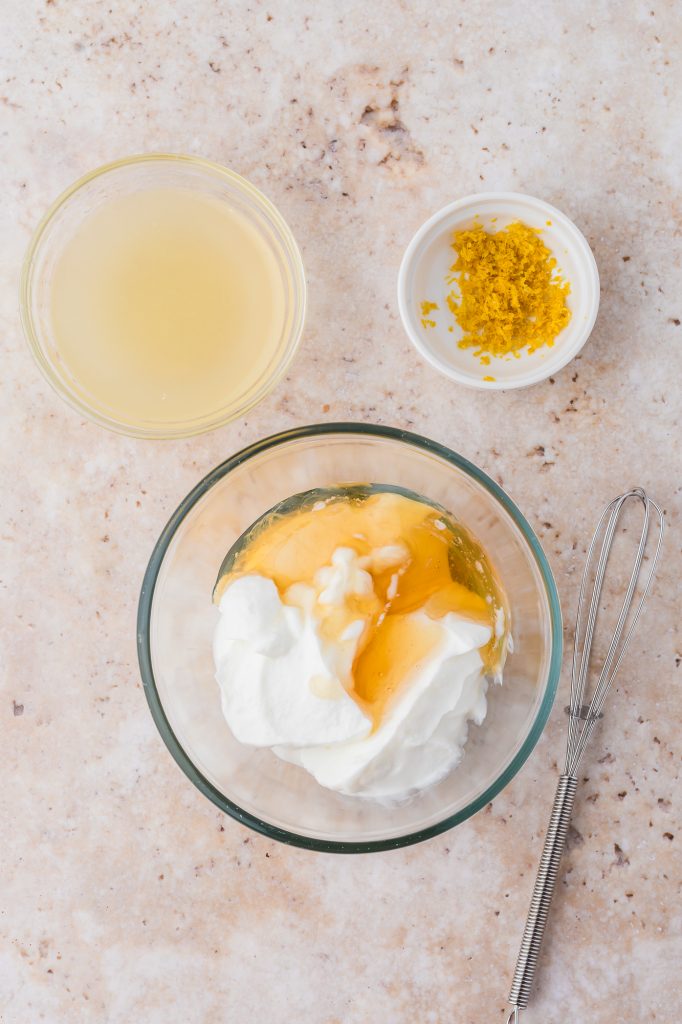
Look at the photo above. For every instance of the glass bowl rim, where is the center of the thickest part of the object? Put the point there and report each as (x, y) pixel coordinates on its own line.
(174, 431)
(154, 701)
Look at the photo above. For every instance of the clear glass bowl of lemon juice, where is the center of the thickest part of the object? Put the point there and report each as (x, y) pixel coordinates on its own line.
(163, 296)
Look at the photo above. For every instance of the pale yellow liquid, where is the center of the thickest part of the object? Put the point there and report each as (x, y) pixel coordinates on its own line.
(167, 307)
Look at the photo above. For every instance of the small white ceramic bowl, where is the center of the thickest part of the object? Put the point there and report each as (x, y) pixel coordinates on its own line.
(422, 277)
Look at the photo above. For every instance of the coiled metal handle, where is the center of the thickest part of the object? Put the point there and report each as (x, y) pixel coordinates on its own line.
(555, 840)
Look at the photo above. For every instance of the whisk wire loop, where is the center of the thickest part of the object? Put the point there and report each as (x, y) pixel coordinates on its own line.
(581, 724)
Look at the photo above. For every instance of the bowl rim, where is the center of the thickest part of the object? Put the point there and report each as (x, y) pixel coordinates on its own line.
(539, 374)
(154, 701)
(173, 431)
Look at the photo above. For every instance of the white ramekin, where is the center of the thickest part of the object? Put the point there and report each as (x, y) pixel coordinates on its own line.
(423, 273)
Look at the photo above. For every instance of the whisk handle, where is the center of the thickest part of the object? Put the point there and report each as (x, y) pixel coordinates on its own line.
(545, 883)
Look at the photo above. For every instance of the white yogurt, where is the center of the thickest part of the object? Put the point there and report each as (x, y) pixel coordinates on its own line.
(286, 686)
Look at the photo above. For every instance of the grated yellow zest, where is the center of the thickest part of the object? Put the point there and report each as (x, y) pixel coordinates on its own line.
(426, 308)
(509, 294)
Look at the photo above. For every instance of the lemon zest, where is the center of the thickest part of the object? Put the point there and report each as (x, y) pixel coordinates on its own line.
(509, 294)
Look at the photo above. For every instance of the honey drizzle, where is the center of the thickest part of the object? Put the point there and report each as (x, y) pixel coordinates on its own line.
(445, 570)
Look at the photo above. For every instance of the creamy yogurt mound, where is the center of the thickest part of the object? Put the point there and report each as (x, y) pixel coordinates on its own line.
(286, 681)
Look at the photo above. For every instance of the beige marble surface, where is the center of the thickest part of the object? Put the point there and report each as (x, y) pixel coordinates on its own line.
(124, 895)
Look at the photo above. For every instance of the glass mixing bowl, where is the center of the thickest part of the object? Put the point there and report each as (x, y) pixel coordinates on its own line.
(138, 174)
(176, 620)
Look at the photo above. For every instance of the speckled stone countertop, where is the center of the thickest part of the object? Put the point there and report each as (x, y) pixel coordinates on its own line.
(125, 896)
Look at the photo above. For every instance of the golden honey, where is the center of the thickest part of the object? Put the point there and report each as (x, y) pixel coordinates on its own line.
(419, 559)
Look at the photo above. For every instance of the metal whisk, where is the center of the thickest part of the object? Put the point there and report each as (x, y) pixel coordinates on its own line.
(582, 717)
